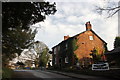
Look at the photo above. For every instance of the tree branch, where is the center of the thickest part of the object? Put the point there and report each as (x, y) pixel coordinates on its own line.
(110, 10)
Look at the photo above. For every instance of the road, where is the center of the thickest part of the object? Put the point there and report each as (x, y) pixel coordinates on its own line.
(39, 75)
(47, 75)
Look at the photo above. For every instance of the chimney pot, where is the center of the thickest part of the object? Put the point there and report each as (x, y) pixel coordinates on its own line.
(66, 37)
(88, 26)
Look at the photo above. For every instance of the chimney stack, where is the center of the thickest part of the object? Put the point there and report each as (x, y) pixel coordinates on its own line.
(88, 26)
(66, 37)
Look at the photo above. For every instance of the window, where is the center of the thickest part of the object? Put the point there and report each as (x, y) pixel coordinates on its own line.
(66, 46)
(54, 50)
(66, 60)
(55, 60)
(58, 48)
(91, 37)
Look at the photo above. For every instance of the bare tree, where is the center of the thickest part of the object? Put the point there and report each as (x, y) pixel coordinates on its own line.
(110, 9)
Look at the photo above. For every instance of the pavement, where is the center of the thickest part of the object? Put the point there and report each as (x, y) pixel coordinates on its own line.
(80, 76)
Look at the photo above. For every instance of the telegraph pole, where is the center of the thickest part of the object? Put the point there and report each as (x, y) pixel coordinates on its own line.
(119, 20)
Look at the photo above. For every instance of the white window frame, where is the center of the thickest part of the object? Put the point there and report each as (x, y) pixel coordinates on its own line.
(66, 60)
(91, 38)
(55, 50)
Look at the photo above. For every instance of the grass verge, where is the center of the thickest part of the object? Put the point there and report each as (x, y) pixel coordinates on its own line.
(6, 73)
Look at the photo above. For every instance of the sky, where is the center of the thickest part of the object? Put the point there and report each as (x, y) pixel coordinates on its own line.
(70, 19)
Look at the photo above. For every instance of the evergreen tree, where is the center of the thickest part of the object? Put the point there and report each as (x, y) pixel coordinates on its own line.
(117, 42)
(16, 20)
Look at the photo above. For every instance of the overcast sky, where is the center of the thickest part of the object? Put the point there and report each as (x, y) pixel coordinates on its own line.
(70, 19)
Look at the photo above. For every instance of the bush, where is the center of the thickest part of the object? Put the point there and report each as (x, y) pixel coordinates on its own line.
(7, 72)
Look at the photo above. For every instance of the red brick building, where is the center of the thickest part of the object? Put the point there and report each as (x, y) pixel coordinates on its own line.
(77, 49)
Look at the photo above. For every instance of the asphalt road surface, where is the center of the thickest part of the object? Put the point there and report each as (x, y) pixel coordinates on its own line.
(38, 75)
(46, 75)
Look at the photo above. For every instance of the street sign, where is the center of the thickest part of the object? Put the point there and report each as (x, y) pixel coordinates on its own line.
(100, 66)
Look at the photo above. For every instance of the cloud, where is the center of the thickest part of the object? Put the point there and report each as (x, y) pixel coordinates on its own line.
(70, 19)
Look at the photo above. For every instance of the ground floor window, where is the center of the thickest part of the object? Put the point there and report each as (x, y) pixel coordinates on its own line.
(66, 60)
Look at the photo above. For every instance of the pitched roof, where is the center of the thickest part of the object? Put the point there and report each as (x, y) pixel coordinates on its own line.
(114, 51)
(78, 35)
(98, 37)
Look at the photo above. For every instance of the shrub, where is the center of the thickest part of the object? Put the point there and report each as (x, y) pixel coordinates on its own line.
(7, 72)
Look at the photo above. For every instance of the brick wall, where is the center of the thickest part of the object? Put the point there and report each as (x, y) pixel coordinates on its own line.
(85, 45)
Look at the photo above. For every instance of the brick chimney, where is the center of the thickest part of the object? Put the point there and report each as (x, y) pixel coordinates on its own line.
(66, 37)
(88, 26)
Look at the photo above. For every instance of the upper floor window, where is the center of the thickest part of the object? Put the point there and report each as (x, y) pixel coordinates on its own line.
(91, 37)
(58, 48)
(54, 50)
(66, 46)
